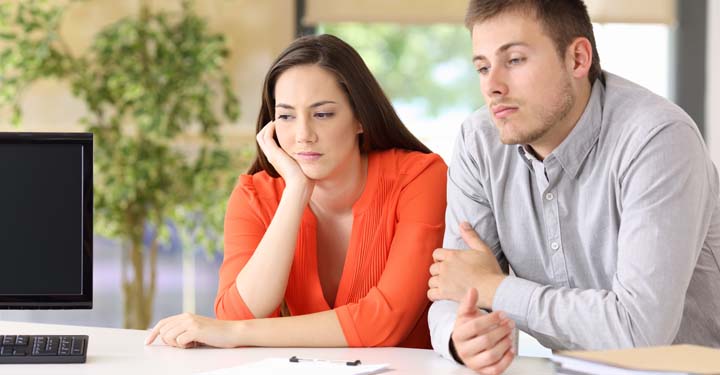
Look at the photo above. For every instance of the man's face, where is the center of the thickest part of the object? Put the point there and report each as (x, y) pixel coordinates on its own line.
(526, 85)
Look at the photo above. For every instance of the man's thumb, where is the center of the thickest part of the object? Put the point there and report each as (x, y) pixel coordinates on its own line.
(468, 303)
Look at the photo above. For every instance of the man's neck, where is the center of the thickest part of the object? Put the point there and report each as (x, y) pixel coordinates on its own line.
(552, 139)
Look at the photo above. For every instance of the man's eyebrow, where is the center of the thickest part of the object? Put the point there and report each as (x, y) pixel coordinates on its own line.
(502, 49)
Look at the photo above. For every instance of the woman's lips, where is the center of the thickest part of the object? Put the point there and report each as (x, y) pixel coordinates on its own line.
(308, 155)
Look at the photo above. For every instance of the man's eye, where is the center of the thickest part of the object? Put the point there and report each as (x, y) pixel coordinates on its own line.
(516, 61)
(483, 70)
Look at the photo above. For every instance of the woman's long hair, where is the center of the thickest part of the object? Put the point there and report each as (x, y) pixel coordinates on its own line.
(382, 128)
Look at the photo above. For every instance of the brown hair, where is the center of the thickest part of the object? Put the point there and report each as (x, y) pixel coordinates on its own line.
(562, 20)
(382, 128)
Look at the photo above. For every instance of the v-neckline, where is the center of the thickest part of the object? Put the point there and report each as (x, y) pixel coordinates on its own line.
(343, 291)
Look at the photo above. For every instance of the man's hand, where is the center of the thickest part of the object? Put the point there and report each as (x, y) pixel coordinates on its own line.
(482, 341)
(455, 271)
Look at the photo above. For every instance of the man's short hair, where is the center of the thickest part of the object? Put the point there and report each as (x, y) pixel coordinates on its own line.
(562, 20)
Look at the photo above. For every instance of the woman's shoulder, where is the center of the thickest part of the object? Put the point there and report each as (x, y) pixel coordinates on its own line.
(412, 163)
(258, 187)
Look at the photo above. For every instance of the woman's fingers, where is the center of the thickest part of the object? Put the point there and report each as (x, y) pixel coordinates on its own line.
(155, 332)
(172, 331)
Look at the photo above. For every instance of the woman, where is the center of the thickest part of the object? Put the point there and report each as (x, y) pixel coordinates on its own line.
(338, 217)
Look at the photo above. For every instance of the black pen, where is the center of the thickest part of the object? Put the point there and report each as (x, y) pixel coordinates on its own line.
(295, 359)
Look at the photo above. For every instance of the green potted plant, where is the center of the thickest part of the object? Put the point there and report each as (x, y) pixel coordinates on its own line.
(145, 80)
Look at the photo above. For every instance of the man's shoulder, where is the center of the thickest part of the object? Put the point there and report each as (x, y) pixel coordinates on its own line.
(633, 115)
(629, 102)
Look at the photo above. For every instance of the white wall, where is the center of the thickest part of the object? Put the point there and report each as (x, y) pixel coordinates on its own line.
(712, 103)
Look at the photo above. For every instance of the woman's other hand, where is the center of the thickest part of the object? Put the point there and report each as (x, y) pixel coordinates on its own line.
(189, 330)
(285, 165)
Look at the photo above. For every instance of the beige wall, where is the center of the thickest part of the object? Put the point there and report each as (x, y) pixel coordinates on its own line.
(256, 32)
(453, 11)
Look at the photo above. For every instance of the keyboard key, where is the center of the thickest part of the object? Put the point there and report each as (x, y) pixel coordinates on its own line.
(22, 340)
(9, 340)
(6, 350)
(77, 346)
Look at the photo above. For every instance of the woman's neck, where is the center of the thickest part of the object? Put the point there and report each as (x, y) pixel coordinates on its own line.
(337, 194)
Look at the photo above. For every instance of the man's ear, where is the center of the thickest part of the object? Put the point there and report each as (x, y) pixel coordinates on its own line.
(579, 57)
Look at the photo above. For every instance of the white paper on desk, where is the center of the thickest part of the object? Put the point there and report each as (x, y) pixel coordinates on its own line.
(274, 366)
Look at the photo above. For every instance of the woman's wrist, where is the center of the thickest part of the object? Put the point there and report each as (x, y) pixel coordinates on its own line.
(239, 331)
(300, 190)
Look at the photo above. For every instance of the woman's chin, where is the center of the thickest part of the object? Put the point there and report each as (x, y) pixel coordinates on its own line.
(313, 173)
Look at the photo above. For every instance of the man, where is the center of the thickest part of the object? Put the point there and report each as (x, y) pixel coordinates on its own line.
(599, 195)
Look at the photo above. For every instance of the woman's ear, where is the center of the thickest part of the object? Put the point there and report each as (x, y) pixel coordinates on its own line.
(359, 128)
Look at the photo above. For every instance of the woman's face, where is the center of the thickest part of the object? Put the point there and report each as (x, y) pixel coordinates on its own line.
(314, 122)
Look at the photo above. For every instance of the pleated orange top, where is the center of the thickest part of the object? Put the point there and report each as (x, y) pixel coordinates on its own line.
(397, 223)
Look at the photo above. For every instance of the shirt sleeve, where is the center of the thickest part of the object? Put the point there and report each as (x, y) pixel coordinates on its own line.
(666, 199)
(466, 201)
(244, 228)
(390, 310)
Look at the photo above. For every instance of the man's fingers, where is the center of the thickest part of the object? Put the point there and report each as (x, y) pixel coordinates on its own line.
(490, 356)
(499, 367)
(486, 342)
(468, 305)
(471, 237)
(435, 269)
(477, 326)
(440, 254)
(433, 294)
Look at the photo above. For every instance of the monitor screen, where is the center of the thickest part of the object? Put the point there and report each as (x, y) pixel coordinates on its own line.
(46, 220)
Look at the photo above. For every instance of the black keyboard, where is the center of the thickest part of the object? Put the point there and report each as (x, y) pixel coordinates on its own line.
(43, 349)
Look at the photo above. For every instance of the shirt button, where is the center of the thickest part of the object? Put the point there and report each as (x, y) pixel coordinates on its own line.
(549, 196)
(554, 246)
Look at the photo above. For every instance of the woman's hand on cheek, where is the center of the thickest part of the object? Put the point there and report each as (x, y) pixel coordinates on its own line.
(285, 165)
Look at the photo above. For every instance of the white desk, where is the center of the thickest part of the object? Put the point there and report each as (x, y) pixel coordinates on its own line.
(121, 351)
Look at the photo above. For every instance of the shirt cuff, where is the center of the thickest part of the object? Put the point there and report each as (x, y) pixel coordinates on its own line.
(513, 297)
(441, 320)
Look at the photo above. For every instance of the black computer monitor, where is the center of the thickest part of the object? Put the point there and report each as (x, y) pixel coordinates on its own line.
(46, 210)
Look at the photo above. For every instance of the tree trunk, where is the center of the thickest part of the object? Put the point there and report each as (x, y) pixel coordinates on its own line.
(138, 284)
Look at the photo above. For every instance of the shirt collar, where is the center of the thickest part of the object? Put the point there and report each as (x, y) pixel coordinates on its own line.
(574, 149)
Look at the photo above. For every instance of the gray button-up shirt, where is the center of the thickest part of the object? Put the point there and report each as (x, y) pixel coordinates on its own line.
(614, 239)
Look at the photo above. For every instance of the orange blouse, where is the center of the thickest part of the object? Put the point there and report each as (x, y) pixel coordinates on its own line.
(397, 223)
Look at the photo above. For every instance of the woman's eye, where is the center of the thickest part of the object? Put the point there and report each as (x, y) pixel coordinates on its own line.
(324, 114)
(516, 60)
(283, 117)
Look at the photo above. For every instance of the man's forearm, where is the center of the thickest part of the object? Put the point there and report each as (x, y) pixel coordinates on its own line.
(571, 318)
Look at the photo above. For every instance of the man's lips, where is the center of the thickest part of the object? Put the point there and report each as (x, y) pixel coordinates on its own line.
(502, 111)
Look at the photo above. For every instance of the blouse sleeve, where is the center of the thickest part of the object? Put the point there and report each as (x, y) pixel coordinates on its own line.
(388, 313)
(245, 225)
